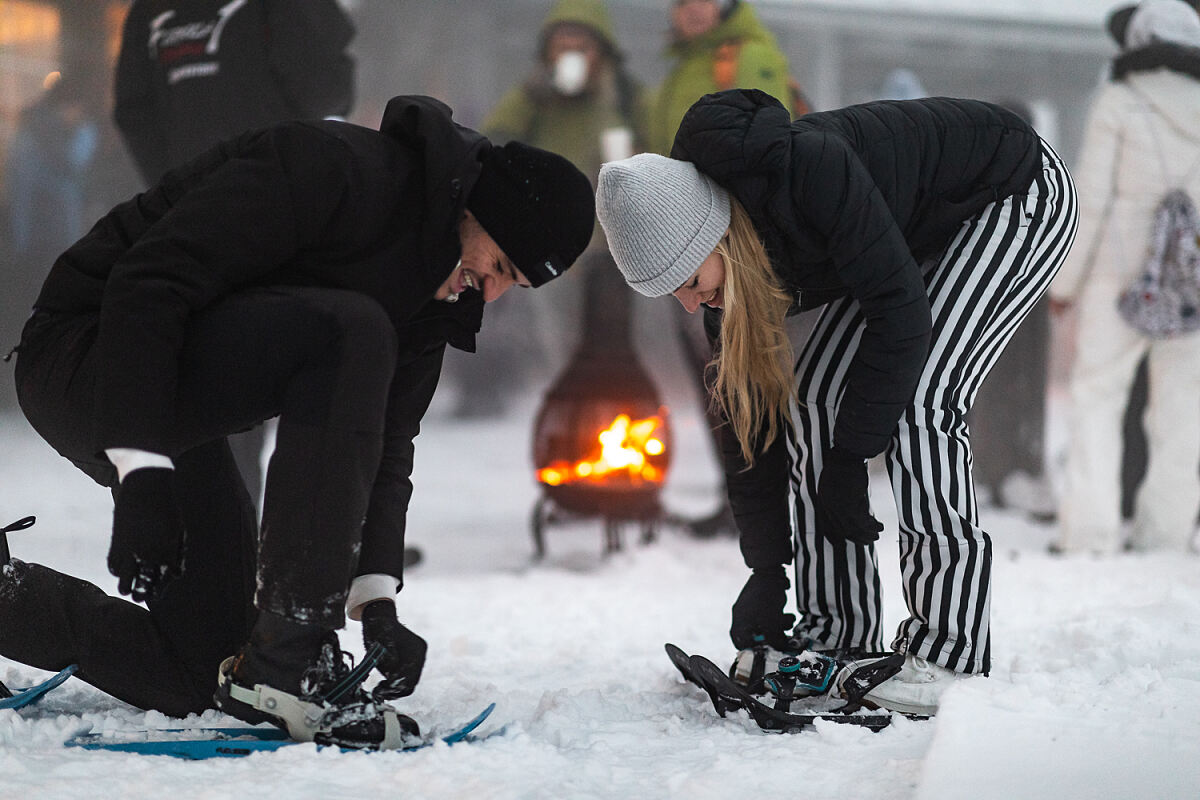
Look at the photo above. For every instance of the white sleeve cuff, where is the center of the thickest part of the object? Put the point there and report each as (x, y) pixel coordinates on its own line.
(127, 459)
(366, 588)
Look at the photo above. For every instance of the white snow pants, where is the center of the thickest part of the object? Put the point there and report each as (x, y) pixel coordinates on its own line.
(987, 280)
(1106, 359)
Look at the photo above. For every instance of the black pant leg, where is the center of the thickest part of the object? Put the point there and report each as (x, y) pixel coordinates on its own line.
(322, 360)
(49, 620)
(206, 614)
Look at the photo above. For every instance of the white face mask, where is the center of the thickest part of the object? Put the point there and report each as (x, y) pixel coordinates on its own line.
(570, 72)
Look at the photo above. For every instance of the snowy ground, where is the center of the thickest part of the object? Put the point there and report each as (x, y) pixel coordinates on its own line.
(1095, 691)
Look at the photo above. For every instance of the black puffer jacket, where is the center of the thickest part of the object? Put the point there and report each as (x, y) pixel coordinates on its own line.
(849, 202)
(300, 203)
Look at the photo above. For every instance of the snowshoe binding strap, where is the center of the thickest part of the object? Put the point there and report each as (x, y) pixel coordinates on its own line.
(355, 677)
(753, 664)
(799, 676)
(861, 676)
(19, 525)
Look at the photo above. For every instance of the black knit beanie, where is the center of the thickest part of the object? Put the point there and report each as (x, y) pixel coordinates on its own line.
(537, 206)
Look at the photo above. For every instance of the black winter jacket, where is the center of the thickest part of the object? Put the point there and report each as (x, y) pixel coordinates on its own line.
(192, 73)
(849, 203)
(300, 203)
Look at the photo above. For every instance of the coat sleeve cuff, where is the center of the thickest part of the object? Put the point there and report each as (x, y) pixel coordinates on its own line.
(127, 459)
(366, 588)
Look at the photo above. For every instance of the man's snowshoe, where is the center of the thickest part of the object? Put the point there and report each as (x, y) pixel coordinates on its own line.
(326, 704)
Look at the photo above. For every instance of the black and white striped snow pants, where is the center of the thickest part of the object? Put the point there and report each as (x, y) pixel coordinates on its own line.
(980, 289)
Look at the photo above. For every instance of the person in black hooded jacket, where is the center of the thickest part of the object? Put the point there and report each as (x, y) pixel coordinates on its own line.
(926, 229)
(313, 271)
(191, 73)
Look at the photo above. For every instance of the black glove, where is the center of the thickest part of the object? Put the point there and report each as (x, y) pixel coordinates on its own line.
(758, 613)
(403, 651)
(148, 536)
(843, 509)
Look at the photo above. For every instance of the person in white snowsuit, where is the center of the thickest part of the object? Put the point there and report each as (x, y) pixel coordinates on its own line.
(1142, 138)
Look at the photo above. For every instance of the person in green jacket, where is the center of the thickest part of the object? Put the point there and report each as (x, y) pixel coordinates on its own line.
(580, 102)
(715, 45)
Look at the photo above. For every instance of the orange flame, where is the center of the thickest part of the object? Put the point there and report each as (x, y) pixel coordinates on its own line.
(624, 450)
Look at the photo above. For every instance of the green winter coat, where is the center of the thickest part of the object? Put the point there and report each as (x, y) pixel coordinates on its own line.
(760, 65)
(535, 113)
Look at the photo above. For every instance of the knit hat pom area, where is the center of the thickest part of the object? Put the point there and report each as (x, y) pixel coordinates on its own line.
(662, 217)
(537, 206)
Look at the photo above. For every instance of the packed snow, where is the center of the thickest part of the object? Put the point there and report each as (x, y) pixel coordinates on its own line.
(1095, 691)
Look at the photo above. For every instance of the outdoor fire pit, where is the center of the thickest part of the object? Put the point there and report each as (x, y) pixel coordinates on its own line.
(601, 439)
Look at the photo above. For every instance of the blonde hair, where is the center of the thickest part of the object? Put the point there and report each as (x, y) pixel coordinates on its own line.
(753, 364)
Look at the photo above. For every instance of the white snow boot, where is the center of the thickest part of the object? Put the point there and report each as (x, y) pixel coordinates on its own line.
(916, 689)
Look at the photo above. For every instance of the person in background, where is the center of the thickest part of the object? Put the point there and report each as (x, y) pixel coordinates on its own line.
(1142, 138)
(191, 73)
(901, 83)
(714, 45)
(315, 271)
(925, 230)
(581, 102)
(47, 173)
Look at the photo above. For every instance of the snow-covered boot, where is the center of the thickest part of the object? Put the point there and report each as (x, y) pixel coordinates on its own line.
(294, 675)
(906, 684)
(814, 670)
(916, 689)
(809, 670)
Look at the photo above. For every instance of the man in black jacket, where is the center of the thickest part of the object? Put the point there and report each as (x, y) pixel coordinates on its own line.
(313, 271)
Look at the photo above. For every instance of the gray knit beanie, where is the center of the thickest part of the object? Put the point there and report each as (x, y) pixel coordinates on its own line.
(662, 218)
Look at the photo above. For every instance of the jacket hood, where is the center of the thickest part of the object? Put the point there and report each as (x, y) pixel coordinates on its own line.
(591, 14)
(742, 23)
(1158, 55)
(451, 156)
(750, 116)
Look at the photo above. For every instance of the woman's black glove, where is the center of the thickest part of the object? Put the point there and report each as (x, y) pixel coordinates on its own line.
(148, 535)
(403, 651)
(758, 613)
(843, 508)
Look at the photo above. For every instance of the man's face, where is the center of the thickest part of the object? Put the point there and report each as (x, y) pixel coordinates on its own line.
(483, 267)
(692, 18)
